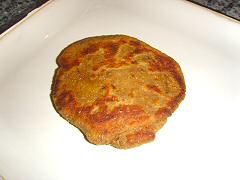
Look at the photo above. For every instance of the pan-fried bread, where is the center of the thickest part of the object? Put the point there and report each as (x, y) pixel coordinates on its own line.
(116, 89)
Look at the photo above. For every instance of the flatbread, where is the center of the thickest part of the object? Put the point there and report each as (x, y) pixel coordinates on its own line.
(116, 89)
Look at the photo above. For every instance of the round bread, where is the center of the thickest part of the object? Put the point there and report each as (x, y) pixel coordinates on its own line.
(116, 89)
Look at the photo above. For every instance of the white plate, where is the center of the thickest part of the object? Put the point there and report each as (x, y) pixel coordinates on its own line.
(200, 140)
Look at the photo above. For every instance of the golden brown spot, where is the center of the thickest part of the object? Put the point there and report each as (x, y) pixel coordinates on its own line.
(64, 99)
(174, 102)
(106, 99)
(92, 48)
(56, 86)
(111, 49)
(122, 41)
(156, 101)
(113, 86)
(163, 113)
(140, 137)
(135, 43)
(98, 66)
(116, 65)
(67, 63)
(154, 88)
(130, 114)
(84, 110)
(133, 62)
(131, 94)
(162, 64)
(138, 49)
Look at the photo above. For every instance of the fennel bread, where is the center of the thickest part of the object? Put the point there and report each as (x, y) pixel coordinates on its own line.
(116, 89)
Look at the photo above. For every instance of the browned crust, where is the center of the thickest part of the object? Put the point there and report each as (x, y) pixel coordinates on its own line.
(88, 89)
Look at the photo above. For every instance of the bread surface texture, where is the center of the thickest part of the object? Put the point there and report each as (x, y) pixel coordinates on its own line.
(116, 89)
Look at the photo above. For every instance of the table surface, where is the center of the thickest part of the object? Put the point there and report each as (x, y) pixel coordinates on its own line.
(12, 11)
(230, 8)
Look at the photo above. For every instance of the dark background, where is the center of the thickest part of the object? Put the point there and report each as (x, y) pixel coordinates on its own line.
(12, 11)
(229, 8)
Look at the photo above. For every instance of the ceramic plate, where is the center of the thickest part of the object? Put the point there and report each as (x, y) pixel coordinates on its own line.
(199, 141)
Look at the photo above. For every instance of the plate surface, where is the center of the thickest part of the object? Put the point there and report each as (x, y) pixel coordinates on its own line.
(199, 141)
